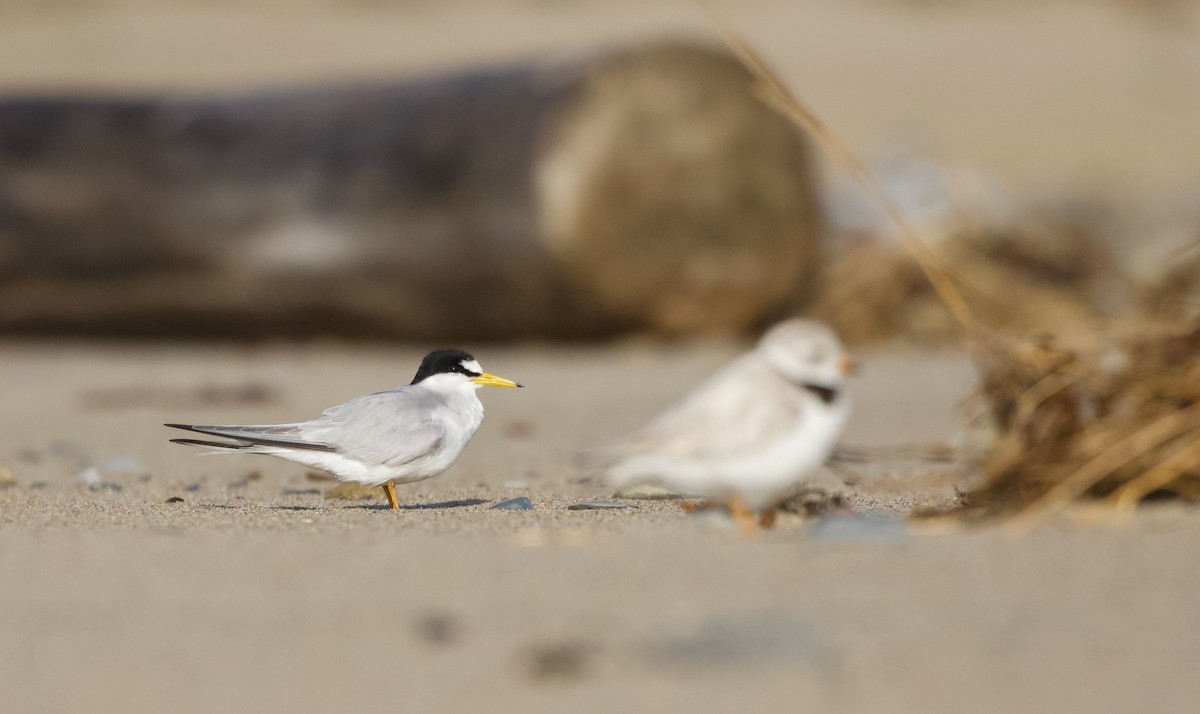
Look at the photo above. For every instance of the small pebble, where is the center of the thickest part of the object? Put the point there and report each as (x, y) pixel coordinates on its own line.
(520, 503)
(647, 492)
(174, 499)
(192, 487)
(598, 505)
(7, 480)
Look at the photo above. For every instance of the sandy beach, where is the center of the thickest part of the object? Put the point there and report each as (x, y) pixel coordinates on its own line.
(139, 576)
(257, 593)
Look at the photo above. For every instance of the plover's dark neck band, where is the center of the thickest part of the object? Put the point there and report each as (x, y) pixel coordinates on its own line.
(825, 394)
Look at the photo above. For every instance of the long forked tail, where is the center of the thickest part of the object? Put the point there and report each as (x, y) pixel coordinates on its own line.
(214, 444)
(243, 437)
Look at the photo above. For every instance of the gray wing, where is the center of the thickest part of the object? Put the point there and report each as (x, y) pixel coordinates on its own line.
(739, 409)
(392, 427)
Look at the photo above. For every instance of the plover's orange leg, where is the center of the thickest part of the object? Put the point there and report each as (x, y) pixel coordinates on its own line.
(390, 489)
(743, 516)
(693, 506)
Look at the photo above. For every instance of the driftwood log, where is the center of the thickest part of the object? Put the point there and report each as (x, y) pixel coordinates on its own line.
(645, 189)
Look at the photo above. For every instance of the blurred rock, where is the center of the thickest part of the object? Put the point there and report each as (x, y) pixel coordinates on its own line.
(7, 480)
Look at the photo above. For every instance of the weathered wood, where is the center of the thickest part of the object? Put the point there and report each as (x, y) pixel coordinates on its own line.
(642, 189)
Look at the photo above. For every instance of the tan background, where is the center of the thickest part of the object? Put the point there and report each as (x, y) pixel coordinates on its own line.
(250, 598)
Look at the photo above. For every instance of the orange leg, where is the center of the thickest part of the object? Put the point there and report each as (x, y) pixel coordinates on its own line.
(389, 488)
(743, 516)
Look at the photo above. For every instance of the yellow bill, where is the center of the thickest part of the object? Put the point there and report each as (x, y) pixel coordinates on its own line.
(490, 380)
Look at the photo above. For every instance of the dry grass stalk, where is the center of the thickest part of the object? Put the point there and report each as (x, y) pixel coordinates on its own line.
(772, 91)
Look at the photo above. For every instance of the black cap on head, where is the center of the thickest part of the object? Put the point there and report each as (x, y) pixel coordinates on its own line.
(443, 362)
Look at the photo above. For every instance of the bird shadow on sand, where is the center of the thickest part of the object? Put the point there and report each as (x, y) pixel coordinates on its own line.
(441, 505)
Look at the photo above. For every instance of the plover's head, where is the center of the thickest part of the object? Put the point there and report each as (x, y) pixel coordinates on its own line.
(449, 369)
(807, 353)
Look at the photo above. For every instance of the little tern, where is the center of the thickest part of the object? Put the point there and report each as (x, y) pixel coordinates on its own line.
(401, 435)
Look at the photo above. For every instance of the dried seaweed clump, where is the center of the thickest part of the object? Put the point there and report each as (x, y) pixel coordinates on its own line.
(1117, 419)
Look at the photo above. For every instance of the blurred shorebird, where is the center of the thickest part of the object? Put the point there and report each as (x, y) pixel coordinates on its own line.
(752, 431)
(403, 435)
